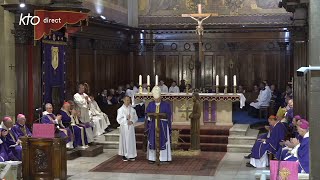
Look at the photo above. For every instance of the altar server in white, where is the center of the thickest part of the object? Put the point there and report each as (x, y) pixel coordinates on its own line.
(174, 88)
(126, 117)
(263, 100)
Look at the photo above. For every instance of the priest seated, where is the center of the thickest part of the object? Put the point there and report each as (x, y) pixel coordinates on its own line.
(10, 140)
(49, 118)
(68, 120)
(100, 119)
(20, 128)
(262, 100)
(259, 153)
(300, 152)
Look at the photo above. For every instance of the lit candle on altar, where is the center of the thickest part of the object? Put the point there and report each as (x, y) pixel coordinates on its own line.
(217, 80)
(140, 80)
(148, 80)
(225, 80)
(199, 9)
(156, 80)
(234, 80)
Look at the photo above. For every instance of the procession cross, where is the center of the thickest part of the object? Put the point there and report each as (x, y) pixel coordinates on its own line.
(199, 17)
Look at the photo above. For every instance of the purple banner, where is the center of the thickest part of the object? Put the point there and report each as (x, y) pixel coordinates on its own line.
(53, 71)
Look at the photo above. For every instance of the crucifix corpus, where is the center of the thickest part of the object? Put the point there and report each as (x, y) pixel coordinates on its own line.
(199, 17)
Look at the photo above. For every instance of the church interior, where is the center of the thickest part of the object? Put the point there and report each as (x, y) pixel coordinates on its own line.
(159, 89)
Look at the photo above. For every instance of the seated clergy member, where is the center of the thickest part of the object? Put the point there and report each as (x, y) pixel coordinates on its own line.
(49, 118)
(259, 156)
(87, 126)
(158, 106)
(300, 153)
(288, 145)
(68, 120)
(11, 141)
(163, 87)
(174, 88)
(126, 117)
(20, 128)
(263, 100)
(100, 119)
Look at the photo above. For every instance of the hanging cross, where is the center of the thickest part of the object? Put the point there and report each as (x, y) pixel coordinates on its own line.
(11, 66)
(199, 17)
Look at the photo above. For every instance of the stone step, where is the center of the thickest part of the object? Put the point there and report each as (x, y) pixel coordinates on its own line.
(91, 151)
(249, 139)
(239, 148)
(112, 136)
(239, 130)
(109, 144)
(73, 154)
(242, 140)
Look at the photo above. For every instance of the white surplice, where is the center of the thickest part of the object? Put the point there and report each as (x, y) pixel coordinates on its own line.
(127, 140)
(263, 99)
(82, 105)
(174, 89)
(100, 119)
(164, 88)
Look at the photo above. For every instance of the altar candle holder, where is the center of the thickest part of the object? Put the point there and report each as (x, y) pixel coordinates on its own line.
(217, 89)
(140, 89)
(149, 89)
(234, 89)
(225, 89)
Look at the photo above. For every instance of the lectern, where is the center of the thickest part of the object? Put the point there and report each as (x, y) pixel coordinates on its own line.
(44, 158)
(157, 117)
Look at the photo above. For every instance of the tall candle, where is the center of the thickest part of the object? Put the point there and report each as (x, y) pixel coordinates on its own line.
(199, 9)
(234, 80)
(217, 80)
(148, 80)
(156, 80)
(140, 80)
(225, 80)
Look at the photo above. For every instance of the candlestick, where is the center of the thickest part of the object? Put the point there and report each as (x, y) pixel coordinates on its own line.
(199, 9)
(217, 89)
(156, 80)
(225, 80)
(234, 80)
(148, 89)
(140, 80)
(148, 80)
(234, 89)
(217, 80)
(140, 89)
(225, 89)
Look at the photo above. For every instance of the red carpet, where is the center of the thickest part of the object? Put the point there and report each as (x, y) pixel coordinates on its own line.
(203, 165)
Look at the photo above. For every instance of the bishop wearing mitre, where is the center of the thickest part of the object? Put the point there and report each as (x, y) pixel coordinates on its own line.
(159, 106)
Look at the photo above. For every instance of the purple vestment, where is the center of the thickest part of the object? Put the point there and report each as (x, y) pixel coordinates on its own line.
(164, 125)
(80, 136)
(49, 119)
(277, 134)
(14, 152)
(21, 130)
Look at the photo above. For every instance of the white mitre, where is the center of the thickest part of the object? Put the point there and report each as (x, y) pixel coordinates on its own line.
(156, 92)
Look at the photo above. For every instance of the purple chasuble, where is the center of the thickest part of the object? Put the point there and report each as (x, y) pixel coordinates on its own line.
(164, 125)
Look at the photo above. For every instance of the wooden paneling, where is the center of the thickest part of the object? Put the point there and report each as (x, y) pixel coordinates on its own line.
(252, 56)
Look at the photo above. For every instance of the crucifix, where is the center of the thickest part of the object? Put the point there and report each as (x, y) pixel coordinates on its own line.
(11, 66)
(199, 17)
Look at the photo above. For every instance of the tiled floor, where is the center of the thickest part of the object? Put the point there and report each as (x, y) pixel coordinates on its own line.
(232, 166)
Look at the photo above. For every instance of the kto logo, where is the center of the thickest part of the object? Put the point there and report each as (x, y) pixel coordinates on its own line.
(35, 20)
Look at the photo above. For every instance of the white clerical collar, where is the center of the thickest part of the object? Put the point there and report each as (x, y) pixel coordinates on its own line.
(157, 104)
(306, 135)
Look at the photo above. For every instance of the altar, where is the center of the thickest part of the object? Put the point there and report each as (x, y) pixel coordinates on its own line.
(216, 108)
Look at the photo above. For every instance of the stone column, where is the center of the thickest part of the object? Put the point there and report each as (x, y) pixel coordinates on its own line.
(7, 64)
(133, 13)
(314, 88)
